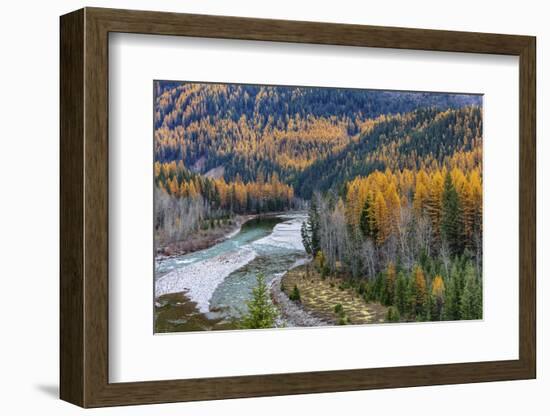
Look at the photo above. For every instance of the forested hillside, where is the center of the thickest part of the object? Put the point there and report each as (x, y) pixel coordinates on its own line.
(424, 138)
(255, 131)
(380, 157)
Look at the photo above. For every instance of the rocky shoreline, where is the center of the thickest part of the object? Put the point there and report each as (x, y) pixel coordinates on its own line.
(292, 314)
(200, 280)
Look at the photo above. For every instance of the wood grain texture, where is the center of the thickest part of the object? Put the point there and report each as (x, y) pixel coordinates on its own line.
(528, 208)
(84, 207)
(71, 184)
(162, 23)
(96, 207)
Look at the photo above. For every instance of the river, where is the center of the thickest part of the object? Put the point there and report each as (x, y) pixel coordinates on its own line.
(218, 281)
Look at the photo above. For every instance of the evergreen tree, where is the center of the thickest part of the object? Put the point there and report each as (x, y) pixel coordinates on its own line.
(471, 302)
(428, 309)
(313, 227)
(261, 312)
(381, 218)
(393, 314)
(295, 295)
(453, 294)
(379, 288)
(367, 222)
(401, 293)
(437, 298)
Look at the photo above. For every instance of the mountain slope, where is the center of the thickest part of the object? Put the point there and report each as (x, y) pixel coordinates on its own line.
(308, 137)
(420, 139)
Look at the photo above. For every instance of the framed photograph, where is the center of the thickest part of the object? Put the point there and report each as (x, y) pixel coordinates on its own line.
(260, 207)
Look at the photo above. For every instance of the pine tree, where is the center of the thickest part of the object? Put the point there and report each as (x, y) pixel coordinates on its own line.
(466, 196)
(364, 223)
(367, 221)
(471, 301)
(453, 294)
(428, 309)
(313, 227)
(420, 291)
(401, 293)
(261, 313)
(438, 298)
(295, 294)
(451, 218)
(393, 314)
(477, 200)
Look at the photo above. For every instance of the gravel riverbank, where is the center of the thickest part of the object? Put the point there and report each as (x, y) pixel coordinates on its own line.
(200, 280)
(292, 314)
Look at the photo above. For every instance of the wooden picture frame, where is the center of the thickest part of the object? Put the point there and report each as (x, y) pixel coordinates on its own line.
(84, 207)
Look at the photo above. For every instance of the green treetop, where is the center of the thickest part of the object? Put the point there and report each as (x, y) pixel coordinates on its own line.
(261, 312)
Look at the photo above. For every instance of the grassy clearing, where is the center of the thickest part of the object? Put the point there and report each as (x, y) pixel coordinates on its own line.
(329, 299)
